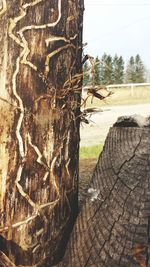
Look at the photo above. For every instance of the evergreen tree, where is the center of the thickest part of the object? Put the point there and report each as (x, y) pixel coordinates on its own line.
(135, 72)
(96, 74)
(130, 71)
(102, 68)
(86, 74)
(139, 70)
(118, 70)
(108, 69)
(101, 72)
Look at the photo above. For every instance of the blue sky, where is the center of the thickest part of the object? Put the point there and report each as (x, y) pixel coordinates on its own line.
(118, 26)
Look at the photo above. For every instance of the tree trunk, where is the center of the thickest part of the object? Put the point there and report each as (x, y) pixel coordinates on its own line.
(40, 78)
(113, 227)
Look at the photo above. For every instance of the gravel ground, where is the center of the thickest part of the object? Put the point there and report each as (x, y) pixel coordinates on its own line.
(95, 133)
(100, 122)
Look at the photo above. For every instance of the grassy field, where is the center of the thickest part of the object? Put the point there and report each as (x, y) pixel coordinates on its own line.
(123, 96)
(90, 152)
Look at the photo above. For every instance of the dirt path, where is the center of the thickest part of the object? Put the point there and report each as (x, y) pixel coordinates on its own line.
(95, 132)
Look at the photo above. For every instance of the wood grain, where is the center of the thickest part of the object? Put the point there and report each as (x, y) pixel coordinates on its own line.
(113, 230)
(40, 55)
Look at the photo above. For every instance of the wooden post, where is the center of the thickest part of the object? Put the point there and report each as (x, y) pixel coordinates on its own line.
(113, 227)
(40, 86)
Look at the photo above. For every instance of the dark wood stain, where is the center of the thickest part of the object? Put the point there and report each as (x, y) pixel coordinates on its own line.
(38, 126)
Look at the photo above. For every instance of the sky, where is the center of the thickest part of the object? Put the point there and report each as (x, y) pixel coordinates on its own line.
(118, 27)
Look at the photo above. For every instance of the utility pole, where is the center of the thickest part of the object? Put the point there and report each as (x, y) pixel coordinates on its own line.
(40, 86)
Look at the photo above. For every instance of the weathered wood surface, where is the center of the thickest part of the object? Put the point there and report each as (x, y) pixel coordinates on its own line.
(40, 79)
(4, 261)
(113, 227)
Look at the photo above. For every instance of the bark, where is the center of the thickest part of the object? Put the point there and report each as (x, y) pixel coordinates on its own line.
(40, 78)
(113, 227)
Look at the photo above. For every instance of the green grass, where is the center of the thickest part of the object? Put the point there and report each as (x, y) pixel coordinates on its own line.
(90, 151)
(123, 96)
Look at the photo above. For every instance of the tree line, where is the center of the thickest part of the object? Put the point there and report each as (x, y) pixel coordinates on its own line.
(112, 70)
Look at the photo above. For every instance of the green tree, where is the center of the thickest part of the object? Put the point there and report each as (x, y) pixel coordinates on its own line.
(135, 71)
(139, 70)
(101, 72)
(86, 74)
(96, 77)
(118, 70)
(108, 69)
(130, 71)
